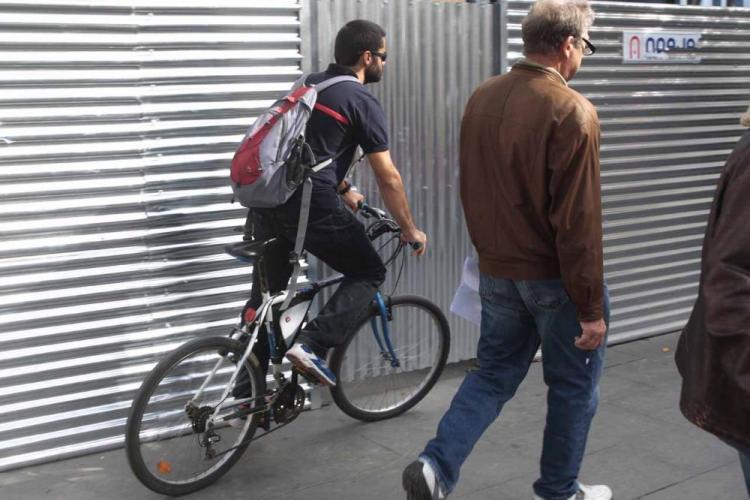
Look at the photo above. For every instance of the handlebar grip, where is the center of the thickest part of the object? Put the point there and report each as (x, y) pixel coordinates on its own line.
(416, 245)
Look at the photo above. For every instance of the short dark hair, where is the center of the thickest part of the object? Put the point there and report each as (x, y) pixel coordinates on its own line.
(356, 37)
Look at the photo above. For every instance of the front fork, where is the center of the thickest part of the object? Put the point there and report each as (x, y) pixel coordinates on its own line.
(384, 343)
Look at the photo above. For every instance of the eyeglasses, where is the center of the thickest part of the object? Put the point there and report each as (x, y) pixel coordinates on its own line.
(588, 49)
(381, 55)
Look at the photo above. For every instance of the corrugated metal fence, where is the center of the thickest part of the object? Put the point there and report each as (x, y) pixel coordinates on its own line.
(117, 122)
(118, 118)
(667, 129)
(437, 54)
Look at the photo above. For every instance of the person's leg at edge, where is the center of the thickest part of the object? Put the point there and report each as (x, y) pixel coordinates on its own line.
(745, 464)
(572, 376)
(744, 454)
(507, 345)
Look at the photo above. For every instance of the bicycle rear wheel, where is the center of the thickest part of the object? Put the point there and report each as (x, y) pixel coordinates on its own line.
(371, 385)
(171, 446)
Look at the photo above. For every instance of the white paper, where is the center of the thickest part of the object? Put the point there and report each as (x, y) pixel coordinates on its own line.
(466, 302)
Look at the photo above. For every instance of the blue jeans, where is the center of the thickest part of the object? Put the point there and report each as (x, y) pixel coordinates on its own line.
(518, 316)
(744, 461)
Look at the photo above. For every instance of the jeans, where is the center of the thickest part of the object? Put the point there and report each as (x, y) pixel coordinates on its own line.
(744, 461)
(339, 240)
(518, 317)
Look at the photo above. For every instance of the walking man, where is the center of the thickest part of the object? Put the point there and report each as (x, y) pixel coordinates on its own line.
(532, 200)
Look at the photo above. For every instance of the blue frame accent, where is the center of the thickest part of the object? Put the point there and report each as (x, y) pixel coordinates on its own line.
(273, 347)
(386, 333)
(374, 326)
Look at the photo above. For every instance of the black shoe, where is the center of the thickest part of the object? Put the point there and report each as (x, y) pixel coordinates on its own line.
(420, 482)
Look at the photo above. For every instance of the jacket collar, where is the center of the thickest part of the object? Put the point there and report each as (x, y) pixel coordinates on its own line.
(528, 64)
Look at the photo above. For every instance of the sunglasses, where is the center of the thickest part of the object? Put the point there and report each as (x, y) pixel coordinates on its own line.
(381, 55)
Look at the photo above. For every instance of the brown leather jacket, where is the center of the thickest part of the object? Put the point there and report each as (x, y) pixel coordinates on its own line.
(713, 354)
(530, 183)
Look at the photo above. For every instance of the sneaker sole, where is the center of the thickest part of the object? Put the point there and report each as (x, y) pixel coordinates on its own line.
(414, 483)
(300, 365)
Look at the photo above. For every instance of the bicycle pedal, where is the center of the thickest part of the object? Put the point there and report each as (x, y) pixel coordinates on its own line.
(311, 378)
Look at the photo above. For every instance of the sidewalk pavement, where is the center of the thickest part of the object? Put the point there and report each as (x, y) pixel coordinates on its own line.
(639, 444)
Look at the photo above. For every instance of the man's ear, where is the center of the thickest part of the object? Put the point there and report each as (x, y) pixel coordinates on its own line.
(567, 47)
(366, 58)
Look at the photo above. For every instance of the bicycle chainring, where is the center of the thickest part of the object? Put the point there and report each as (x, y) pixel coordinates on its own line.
(289, 403)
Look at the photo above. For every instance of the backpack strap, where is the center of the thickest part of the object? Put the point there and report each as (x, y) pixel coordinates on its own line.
(333, 114)
(324, 85)
(304, 213)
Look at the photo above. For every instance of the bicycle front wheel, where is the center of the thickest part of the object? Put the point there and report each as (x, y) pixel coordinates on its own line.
(175, 440)
(376, 381)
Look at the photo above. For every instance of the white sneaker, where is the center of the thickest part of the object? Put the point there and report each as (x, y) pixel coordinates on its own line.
(306, 361)
(597, 492)
(586, 492)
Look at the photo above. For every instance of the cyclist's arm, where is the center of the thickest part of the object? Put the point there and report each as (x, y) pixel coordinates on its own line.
(394, 196)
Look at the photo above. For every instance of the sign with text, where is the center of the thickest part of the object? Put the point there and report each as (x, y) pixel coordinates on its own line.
(660, 46)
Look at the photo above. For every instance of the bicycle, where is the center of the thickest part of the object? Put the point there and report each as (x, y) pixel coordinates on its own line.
(200, 407)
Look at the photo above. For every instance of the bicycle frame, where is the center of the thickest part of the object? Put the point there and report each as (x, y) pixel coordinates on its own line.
(293, 317)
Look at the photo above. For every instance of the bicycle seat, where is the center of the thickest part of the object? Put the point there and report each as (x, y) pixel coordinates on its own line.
(249, 251)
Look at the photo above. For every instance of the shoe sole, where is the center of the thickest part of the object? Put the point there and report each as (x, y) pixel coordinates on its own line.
(300, 365)
(414, 483)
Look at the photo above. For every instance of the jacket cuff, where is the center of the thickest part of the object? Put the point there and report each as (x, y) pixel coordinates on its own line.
(590, 313)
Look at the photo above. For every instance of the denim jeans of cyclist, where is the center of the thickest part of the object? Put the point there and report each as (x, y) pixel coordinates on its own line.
(518, 317)
(338, 239)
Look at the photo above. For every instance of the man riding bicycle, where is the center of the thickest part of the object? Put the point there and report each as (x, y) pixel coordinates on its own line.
(346, 116)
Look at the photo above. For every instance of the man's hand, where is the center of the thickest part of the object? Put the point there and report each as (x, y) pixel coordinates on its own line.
(352, 199)
(592, 336)
(415, 236)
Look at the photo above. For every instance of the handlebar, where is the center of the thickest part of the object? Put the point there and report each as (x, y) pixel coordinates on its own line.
(367, 211)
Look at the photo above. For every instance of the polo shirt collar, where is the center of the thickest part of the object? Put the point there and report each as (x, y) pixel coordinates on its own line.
(339, 69)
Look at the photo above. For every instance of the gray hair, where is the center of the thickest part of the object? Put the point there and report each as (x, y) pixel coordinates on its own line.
(745, 118)
(550, 22)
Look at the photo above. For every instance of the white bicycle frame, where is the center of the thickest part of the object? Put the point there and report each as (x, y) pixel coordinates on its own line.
(293, 319)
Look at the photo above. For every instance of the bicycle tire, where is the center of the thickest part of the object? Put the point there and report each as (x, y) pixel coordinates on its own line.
(133, 443)
(343, 393)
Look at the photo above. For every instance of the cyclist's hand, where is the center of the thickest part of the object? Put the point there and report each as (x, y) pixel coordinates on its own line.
(592, 335)
(352, 199)
(415, 236)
